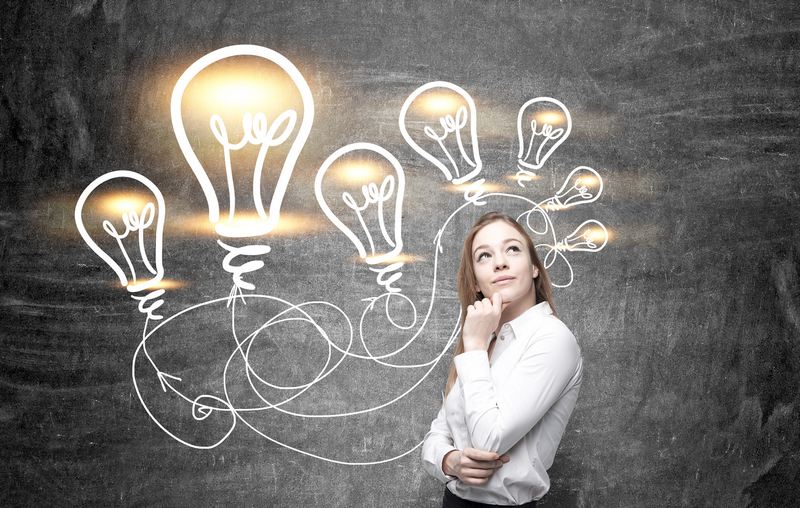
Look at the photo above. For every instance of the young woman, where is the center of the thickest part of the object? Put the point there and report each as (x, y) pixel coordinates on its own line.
(513, 381)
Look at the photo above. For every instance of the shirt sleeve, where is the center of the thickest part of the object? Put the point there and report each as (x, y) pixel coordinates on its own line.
(498, 419)
(438, 443)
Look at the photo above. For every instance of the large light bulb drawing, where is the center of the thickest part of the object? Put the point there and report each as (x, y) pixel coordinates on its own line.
(258, 130)
(371, 196)
(543, 124)
(137, 220)
(444, 115)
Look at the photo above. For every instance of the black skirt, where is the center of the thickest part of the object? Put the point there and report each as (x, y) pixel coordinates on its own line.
(453, 501)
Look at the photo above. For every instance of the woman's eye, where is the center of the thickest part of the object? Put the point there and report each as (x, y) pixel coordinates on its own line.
(514, 248)
(483, 255)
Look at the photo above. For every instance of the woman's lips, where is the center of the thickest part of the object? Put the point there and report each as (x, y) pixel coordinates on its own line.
(503, 280)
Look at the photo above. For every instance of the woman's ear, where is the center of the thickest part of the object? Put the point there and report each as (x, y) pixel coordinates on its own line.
(477, 288)
(535, 271)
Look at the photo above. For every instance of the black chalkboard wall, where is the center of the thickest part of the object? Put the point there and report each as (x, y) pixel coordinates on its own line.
(688, 318)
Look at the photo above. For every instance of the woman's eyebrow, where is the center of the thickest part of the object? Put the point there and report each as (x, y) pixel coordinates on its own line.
(507, 240)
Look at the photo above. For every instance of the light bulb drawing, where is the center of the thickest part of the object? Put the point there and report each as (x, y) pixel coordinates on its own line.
(543, 124)
(373, 197)
(136, 224)
(582, 185)
(590, 236)
(257, 131)
(443, 114)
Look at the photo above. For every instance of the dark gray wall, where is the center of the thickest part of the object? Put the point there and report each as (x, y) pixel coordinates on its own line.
(688, 320)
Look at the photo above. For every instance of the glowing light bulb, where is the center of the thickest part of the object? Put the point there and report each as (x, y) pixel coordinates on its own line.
(367, 206)
(591, 236)
(543, 124)
(255, 91)
(137, 216)
(582, 185)
(439, 121)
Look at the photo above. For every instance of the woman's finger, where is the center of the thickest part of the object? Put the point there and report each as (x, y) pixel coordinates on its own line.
(497, 303)
(476, 454)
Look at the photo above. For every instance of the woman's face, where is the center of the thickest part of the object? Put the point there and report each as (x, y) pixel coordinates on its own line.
(502, 264)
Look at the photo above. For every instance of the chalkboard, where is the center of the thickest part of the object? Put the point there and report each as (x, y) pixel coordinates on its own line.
(277, 332)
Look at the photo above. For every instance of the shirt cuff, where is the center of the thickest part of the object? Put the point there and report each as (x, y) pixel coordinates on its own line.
(441, 453)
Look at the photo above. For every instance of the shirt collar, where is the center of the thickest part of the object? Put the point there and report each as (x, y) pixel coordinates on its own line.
(526, 322)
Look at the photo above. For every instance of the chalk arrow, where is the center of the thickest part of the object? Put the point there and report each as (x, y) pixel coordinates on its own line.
(164, 383)
(371, 301)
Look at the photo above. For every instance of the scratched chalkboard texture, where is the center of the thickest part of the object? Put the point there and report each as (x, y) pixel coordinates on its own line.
(688, 318)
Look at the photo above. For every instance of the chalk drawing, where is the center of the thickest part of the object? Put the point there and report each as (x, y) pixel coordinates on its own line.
(583, 185)
(372, 195)
(134, 222)
(368, 210)
(441, 117)
(543, 124)
(257, 131)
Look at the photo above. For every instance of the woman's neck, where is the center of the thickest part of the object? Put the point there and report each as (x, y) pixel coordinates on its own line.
(516, 308)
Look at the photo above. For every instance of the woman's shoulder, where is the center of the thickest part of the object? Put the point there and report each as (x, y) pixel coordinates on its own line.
(545, 327)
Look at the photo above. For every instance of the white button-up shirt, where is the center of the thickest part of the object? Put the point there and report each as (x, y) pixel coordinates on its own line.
(517, 404)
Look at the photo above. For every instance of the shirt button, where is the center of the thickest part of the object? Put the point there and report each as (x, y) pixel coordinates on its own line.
(502, 337)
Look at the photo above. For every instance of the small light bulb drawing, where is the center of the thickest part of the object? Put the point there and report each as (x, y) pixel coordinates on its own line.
(590, 236)
(137, 219)
(258, 130)
(371, 199)
(442, 120)
(543, 124)
(582, 185)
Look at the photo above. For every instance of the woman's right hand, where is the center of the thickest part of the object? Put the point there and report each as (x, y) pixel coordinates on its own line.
(472, 466)
(482, 319)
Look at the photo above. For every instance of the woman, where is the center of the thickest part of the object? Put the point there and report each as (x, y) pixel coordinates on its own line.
(513, 381)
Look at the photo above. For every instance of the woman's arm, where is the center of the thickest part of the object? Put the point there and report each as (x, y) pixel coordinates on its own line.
(498, 419)
(443, 461)
(472, 466)
(437, 444)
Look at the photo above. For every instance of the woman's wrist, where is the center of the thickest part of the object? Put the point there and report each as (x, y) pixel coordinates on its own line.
(448, 463)
(475, 344)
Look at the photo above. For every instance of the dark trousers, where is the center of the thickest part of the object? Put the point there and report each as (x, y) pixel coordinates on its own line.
(453, 501)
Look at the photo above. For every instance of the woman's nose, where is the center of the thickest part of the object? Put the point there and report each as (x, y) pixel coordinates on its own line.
(500, 263)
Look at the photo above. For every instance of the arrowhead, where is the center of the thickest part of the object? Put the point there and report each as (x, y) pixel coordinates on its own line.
(371, 301)
(164, 383)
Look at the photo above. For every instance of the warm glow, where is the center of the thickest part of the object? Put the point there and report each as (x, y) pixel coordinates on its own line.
(356, 171)
(590, 181)
(117, 204)
(403, 258)
(243, 220)
(235, 89)
(168, 284)
(550, 117)
(288, 224)
(441, 103)
(162, 284)
(236, 94)
(597, 235)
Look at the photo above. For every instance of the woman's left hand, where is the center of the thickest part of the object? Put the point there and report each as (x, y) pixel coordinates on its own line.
(482, 319)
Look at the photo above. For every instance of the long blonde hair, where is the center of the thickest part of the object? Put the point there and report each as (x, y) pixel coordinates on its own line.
(468, 295)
